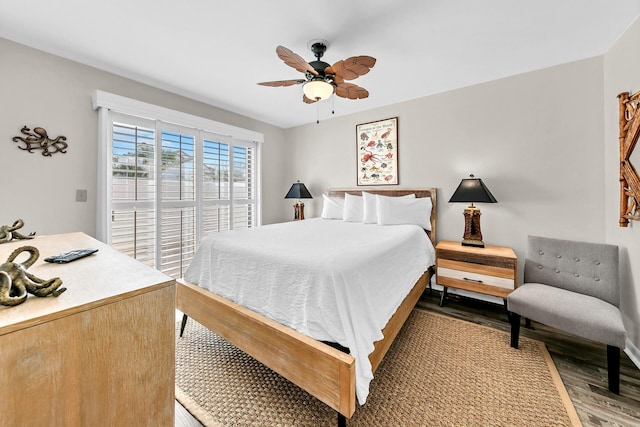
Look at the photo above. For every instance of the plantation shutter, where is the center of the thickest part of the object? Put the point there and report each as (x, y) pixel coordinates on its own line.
(133, 189)
(168, 185)
(244, 186)
(216, 190)
(177, 199)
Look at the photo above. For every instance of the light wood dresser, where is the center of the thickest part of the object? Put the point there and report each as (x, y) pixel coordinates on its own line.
(100, 354)
(491, 270)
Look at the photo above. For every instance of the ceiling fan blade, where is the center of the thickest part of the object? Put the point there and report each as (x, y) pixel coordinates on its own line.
(308, 100)
(294, 60)
(351, 91)
(279, 83)
(353, 67)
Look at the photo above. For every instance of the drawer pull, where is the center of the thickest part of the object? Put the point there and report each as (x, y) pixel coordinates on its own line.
(472, 280)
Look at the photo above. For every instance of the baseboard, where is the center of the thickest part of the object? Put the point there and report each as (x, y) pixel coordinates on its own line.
(633, 352)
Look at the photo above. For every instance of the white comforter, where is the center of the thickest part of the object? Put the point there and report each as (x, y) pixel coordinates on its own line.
(329, 279)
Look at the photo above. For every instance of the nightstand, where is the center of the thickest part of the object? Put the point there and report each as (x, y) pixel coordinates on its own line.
(491, 270)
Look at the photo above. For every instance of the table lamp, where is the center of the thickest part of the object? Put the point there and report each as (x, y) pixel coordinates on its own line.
(472, 190)
(298, 191)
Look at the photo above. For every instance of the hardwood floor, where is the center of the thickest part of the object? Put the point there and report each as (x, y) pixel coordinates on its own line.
(184, 418)
(582, 365)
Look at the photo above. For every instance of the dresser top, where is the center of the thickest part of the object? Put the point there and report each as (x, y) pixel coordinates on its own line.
(104, 277)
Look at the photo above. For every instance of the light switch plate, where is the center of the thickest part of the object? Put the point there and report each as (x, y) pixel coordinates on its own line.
(81, 195)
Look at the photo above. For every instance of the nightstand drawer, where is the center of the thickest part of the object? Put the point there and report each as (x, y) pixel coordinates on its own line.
(483, 269)
(474, 258)
(475, 278)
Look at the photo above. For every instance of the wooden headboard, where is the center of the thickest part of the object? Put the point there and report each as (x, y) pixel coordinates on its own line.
(395, 192)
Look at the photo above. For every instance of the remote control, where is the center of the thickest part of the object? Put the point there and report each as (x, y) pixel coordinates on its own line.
(70, 256)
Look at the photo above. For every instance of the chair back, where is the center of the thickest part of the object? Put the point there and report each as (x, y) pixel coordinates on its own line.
(586, 268)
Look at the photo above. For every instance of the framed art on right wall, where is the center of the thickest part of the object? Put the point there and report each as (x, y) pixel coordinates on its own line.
(629, 106)
(377, 156)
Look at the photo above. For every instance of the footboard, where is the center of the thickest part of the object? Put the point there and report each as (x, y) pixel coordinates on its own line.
(326, 373)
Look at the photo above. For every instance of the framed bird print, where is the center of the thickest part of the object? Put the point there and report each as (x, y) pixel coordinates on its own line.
(377, 156)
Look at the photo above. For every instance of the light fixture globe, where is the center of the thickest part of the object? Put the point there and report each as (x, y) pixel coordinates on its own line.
(317, 90)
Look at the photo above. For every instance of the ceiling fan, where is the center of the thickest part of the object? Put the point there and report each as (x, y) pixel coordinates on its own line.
(321, 79)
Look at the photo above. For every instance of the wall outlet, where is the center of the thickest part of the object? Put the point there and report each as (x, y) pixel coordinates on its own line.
(81, 195)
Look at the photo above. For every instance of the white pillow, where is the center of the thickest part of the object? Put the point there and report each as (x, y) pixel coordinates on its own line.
(370, 209)
(400, 210)
(332, 208)
(352, 208)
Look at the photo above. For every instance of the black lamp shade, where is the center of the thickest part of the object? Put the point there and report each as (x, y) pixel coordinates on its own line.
(298, 191)
(472, 190)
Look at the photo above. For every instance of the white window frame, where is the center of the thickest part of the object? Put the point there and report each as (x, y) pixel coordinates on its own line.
(109, 105)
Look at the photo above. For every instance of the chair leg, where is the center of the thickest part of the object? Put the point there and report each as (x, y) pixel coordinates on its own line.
(183, 323)
(613, 368)
(515, 329)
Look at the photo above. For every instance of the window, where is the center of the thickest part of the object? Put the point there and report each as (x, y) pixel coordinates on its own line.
(164, 186)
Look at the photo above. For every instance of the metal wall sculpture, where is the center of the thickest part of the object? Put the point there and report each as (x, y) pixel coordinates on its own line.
(9, 232)
(16, 283)
(629, 179)
(39, 140)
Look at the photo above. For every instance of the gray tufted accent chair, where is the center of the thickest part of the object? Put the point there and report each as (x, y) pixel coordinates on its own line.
(572, 286)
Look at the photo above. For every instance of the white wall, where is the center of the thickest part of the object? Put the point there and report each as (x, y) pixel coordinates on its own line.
(535, 140)
(622, 74)
(39, 89)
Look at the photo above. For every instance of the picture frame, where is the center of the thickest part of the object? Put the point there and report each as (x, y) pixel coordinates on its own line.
(377, 152)
(629, 123)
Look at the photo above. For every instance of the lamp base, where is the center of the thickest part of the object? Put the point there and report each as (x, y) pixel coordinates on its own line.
(476, 243)
(472, 234)
(298, 211)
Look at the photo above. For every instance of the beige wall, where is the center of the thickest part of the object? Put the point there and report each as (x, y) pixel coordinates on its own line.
(39, 89)
(535, 140)
(622, 74)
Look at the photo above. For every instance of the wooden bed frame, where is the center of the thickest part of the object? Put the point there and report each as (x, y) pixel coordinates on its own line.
(323, 371)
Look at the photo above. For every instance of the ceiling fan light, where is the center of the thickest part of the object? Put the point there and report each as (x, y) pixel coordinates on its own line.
(317, 89)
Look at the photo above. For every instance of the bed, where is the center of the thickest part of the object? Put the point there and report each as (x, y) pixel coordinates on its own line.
(318, 367)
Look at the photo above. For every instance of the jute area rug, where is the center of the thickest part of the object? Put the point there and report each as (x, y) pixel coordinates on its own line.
(440, 371)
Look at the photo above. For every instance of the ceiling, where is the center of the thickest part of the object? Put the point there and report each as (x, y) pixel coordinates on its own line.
(216, 52)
